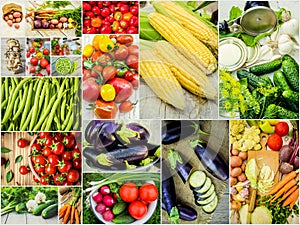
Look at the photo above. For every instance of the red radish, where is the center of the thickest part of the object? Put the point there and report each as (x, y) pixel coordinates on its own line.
(109, 201)
(100, 208)
(105, 190)
(115, 195)
(108, 215)
(97, 197)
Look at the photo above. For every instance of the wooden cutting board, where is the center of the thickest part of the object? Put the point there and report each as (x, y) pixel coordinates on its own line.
(266, 157)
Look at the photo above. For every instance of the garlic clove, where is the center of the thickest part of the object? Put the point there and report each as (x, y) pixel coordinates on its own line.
(266, 53)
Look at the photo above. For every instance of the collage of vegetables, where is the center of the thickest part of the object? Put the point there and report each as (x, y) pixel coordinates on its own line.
(149, 112)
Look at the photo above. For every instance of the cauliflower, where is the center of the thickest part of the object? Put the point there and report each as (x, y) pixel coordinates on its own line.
(31, 205)
(40, 198)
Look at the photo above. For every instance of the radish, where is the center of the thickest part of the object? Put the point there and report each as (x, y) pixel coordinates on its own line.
(97, 197)
(105, 190)
(108, 215)
(109, 201)
(100, 208)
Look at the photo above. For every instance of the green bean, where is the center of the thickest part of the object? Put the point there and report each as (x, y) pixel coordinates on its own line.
(12, 98)
(42, 97)
(56, 120)
(25, 125)
(22, 105)
(68, 115)
(16, 105)
(62, 109)
(36, 104)
(45, 113)
(27, 104)
(16, 80)
(13, 84)
(70, 123)
(11, 126)
(2, 92)
(4, 104)
(6, 85)
(46, 102)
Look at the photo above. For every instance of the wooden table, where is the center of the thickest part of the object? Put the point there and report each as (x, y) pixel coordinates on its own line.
(26, 218)
(49, 32)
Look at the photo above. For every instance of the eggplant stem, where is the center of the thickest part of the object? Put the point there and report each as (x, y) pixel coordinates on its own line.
(198, 129)
(196, 142)
(173, 158)
(103, 160)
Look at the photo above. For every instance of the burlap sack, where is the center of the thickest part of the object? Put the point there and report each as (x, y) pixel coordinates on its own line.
(11, 7)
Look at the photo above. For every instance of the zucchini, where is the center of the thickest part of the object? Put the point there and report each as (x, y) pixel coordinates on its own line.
(210, 191)
(211, 207)
(205, 187)
(266, 68)
(38, 210)
(280, 81)
(197, 179)
(291, 59)
(277, 112)
(253, 80)
(50, 211)
(123, 219)
(202, 202)
(291, 74)
(292, 99)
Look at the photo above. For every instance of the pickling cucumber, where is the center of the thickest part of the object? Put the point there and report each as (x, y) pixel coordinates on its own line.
(291, 74)
(291, 59)
(280, 81)
(292, 99)
(253, 80)
(38, 210)
(50, 211)
(277, 112)
(123, 219)
(266, 68)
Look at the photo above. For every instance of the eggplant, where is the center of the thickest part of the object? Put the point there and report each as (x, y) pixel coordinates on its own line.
(92, 129)
(175, 130)
(132, 133)
(251, 4)
(180, 164)
(151, 148)
(186, 212)
(211, 160)
(129, 154)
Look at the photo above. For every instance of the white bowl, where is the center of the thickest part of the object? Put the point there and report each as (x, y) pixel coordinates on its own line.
(151, 209)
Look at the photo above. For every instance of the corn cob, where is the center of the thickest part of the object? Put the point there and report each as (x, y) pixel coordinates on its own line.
(198, 28)
(161, 80)
(188, 75)
(187, 44)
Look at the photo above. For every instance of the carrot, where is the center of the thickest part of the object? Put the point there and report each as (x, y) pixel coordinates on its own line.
(287, 194)
(67, 215)
(62, 211)
(283, 182)
(77, 220)
(285, 189)
(72, 214)
(291, 199)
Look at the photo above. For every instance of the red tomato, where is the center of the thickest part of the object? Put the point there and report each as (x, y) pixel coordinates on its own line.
(126, 106)
(34, 61)
(32, 70)
(60, 179)
(148, 192)
(90, 90)
(129, 192)
(22, 143)
(121, 53)
(49, 169)
(45, 179)
(76, 154)
(44, 134)
(49, 141)
(123, 89)
(48, 69)
(69, 141)
(44, 63)
(53, 159)
(39, 159)
(105, 110)
(67, 156)
(35, 179)
(58, 136)
(137, 209)
(77, 163)
(275, 142)
(58, 148)
(47, 151)
(73, 176)
(133, 50)
(64, 166)
(109, 72)
(23, 170)
(132, 61)
(282, 128)
(31, 49)
(39, 169)
(46, 51)
(35, 147)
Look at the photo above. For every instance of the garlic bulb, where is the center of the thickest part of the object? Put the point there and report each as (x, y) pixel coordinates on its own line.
(266, 53)
(291, 27)
(285, 44)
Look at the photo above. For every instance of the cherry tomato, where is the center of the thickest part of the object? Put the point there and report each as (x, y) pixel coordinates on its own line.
(69, 141)
(47, 151)
(77, 163)
(132, 61)
(275, 142)
(44, 179)
(60, 179)
(73, 176)
(34, 61)
(121, 53)
(135, 82)
(282, 128)
(49, 169)
(22, 143)
(46, 51)
(76, 154)
(58, 148)
(109, 72)
(105, 110)
(31, 49)
(35, 147)
(53, 159)
(137, 209)
(108, 92)
(49, 141)
(44, 134)
(23, 170)
(148, 192)
(64, 166)
(67, 156)
(58, 137)
(35, 179)
(44, 63)
(129, 192)
(39, 169)
(125, 106)
(128, 75)
(39, 159)
(32, 70)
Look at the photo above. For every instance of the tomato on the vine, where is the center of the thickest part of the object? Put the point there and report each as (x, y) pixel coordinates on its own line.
(73, 176)
(23, 170)
(129, 192)
(22, 143)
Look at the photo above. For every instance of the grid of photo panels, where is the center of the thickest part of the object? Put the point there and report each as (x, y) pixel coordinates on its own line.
(149, 112)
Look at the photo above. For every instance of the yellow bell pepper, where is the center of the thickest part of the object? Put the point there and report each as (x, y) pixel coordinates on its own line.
(88, 50)
(106, 44)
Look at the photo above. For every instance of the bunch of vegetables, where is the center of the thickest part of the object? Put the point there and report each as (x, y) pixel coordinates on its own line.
(56, 158)
(118, 146)
(36, 200)
(68, 47)
(259, 97)
(12, 14)
(123, 197)
(110, 65)
(40, 104)
(110, 17)
(38, 57)
(70, 211)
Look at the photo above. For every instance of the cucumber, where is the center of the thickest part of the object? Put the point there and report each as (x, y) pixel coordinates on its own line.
(119, 208)
(277, 112)
(38, 210)
(280, 81)
(266, 68)
(50, 211)
(197, 179)
(291, 59)
(291, 74)
(123, 219)
(253, 80)
(292, 99)
(211, 207)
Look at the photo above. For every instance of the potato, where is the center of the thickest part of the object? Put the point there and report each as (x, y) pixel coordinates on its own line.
(243, 167)
(10, 16)
(235, 152)
(54, 21)
(18, 20)
(243, 155)
(17, 14)
(9, 22)
(233, 181)
(242, 177)
(17, 26)
(235, 161)
(235, 172)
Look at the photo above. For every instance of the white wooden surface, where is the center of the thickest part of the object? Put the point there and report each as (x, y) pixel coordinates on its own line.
(26, 218)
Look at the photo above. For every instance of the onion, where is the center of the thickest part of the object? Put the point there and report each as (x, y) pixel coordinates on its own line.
(45, 24)
(37, 23)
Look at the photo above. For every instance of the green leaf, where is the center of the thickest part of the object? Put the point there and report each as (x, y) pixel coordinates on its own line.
(7, 163)
(9, 176)
(174, 215)
(251, 41)
(146, 161)
(173, 157)
(19, 159)
(235, 12)
(157, 152)
(5, 150)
